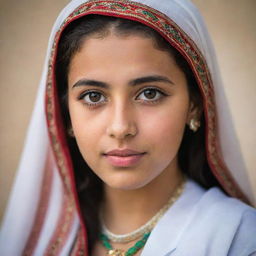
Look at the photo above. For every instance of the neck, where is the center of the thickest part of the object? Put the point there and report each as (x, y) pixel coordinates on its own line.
(127, 210)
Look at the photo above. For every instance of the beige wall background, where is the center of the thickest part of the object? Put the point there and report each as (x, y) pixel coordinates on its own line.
(24, 30)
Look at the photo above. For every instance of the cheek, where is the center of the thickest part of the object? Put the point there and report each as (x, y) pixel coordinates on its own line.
(87, 128)
(165, 128)
(85, 122)
(88, 138)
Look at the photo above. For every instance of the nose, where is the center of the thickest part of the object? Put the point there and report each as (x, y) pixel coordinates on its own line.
(122, 122)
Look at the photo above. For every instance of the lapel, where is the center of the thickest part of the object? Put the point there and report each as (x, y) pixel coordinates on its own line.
(168, 231)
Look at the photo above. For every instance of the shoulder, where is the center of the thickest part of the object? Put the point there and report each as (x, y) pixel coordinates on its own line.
(204, 222)
(215, 201)
(222, 208)
(223, 222)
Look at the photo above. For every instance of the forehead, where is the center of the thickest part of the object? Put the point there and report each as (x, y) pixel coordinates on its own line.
(115, 56)
(119, 44)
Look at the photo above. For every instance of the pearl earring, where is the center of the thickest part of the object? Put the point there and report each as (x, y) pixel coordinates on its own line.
(194, 125)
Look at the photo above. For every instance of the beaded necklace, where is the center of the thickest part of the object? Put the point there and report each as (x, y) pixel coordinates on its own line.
(144, 231)
(118, 252)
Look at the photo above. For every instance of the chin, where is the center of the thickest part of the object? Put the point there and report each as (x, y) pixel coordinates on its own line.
(125, 183)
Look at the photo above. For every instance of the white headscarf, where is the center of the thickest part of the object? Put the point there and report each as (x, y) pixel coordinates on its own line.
(43, 216)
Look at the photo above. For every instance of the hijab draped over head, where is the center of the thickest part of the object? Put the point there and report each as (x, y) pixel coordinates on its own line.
(43, 215)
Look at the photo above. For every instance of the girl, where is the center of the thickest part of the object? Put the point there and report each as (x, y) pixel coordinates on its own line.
(131, 157)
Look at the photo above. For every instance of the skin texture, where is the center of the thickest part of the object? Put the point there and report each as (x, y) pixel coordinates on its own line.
(148, 117)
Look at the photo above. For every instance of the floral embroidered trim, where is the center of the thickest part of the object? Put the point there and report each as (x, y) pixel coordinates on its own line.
(41, 209)
(78, 248)
(178, 39)
(64, 225)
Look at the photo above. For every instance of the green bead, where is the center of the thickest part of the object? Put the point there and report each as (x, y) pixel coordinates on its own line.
(105, 241)
(139, 244)
(107, 245)
(131, 251)
(145, 237)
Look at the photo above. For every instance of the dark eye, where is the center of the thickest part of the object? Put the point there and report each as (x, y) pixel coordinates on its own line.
(150, 94)
(93, 97)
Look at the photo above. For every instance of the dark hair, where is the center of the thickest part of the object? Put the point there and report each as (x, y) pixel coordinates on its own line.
(192, 154)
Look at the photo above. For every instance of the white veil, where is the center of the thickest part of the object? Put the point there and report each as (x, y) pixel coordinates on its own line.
(38, 191)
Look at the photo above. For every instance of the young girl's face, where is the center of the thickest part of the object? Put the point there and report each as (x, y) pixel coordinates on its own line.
(128, 104)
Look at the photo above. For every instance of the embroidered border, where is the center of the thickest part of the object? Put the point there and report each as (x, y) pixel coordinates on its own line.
(64, 225)
(177, 38)
(79, 246)
(57, 137)
(41, 209)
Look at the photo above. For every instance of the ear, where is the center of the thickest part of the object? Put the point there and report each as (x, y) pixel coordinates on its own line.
(195, 112)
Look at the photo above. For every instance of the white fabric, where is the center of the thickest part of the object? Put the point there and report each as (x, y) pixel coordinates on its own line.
(52, 214)
(21, 209)
(25, 194)
(186, 15)
(189, 19)
(229, 226)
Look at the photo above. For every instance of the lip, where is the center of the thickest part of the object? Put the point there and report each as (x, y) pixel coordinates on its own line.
(124, 157)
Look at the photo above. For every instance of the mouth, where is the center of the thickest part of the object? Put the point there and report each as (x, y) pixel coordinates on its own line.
(124, 158)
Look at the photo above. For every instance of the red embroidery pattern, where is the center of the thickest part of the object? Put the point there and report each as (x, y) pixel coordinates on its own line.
(63, 228)
(177, 38)
(56, 133)
(79, 246)
(42, 208)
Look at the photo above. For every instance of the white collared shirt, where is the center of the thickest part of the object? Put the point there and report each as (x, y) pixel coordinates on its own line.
(204, 223)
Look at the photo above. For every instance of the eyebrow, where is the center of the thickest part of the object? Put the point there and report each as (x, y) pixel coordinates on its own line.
(134, 82)
(148, 79)
(84, 82)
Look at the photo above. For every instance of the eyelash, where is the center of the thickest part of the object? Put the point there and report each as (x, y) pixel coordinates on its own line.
(148, 101)
(154, 101)
(87, 93)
